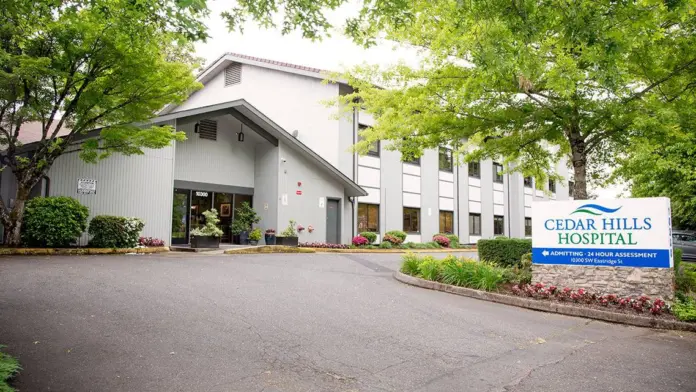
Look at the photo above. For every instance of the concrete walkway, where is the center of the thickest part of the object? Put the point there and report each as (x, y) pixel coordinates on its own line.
(305, 322)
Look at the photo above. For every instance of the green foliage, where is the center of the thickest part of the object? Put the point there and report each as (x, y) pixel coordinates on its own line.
(255, 234)
(289, 231)
(459, 272)
(210, 229)
(385, 245)
(372, 237)
(9, 367)
(685, 278)
(115, 231)
(521, 273)
(246, 217)
(677, 259)
(53, 221)
(684, 308)
(398, 234)
(502, 251)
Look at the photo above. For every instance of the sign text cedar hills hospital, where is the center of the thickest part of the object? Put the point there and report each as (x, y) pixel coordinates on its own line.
(620, 233)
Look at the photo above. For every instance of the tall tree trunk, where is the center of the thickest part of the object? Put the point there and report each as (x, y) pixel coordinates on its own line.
(13, 227)
(579, 160)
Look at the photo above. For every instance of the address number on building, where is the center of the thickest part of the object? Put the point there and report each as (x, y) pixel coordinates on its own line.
(202, 194)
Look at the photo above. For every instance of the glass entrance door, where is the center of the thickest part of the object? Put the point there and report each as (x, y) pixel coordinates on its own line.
(201, 201)
(180, 216)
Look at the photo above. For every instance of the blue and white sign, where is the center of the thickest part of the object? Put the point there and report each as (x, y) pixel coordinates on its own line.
(617, 233)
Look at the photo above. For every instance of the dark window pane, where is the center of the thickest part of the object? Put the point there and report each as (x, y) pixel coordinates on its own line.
(414, 161)
(498, 225)
(527, 227)
(368, 217)
(497, 172)
(445, 158)
(552, 186)
(411, 220)
(374, 147)
(474, 224)
(446, 222)
(474, 169)
(528, 182)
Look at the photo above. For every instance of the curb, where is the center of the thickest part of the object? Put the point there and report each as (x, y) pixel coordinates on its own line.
(329, 250)
(78, 251)
(548, 306)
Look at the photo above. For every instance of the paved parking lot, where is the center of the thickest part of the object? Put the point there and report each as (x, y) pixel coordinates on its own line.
(306, 322)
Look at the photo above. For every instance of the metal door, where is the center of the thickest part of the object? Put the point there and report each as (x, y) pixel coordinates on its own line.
(333, 222)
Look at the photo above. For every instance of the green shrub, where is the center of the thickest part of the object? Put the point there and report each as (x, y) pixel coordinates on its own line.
(521, 273)
(410, 264)
(392, 239)
(115, 231)
(255, 234)
(684, 308)
(429, 268)
(502, 251)
(433, 245)
(398, 234)
(385, 245)
(454, 240)
(9, 367)
(53, 221)
(372, 237)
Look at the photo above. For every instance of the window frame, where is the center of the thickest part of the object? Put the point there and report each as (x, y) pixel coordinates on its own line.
(375, 147)
(552, 186)
(367, 210)
(446, 151)
(478, 169)
(497, 165)
(527, 233)
(451, 219)
(418, 217)
(500, 218)
(471, 231)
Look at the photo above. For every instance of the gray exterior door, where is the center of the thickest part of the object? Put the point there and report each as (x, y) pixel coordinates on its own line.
(333, 222)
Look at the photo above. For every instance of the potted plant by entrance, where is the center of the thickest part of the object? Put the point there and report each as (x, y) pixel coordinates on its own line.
(255, 236)
(288, 237)
(270, 237)
(244, 218)
(209, 235)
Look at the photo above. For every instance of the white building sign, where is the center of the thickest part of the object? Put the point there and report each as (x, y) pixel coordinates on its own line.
(86, 186)
(618, 233)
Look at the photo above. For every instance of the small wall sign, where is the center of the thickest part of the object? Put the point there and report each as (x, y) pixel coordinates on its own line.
(298, 192)
(284, 199)
(86, 186)
(322, 201)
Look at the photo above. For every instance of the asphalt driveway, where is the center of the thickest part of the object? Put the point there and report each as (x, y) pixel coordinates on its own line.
(306, 322)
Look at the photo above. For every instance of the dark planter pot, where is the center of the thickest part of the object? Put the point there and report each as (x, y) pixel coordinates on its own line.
(244, 238)
(253, 242)
(205, 242)
(270, 239)
(287, 241)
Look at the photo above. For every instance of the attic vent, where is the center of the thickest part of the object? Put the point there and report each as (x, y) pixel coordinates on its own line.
(233, 74)
(207, 129)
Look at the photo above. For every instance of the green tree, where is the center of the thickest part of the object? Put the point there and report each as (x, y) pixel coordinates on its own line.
(525, 81)
(70, 67)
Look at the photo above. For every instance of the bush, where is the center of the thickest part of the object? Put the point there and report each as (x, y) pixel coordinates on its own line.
(115, 231)
(372, 237)
(150, 242)
(359, 240)
(429, 268)
(322, 245)
(442, 241)
(392, 239)
(385, 245)
(459, 272)
(210, 229)
(521, 273)
(53, 221)
(684, 308)
(453, 239)
(504, 252)
(255, 234)
(9, 367)
(432, 245)
(398, 234)
(410, 264)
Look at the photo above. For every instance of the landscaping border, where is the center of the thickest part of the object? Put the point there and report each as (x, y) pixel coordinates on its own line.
(548, 306)
(78, 251)
(265, 249)
(436, 250)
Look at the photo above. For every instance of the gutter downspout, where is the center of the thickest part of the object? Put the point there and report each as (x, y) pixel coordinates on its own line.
(355, 173)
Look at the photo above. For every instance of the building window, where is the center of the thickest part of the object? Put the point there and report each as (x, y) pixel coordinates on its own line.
(414, 161)
(368, 217)
(475, 169)
(411, 220)
(498, 225)
(552, 186)
(445, 158)
(374, 146)
(474, 224)
(528, 227)
(528, 182)
(571, 188)
(497, 172)
(446, 222)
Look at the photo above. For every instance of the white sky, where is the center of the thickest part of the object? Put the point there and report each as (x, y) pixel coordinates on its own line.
(336, 53)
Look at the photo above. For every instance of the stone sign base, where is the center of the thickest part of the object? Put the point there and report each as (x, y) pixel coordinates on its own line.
(622, 281)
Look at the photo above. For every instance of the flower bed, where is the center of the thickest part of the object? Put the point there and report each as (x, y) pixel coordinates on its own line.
(322, 245)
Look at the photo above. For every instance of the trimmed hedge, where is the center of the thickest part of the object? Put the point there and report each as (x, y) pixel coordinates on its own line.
(502, 251)
(372, 237)
(53, 221)
(115, 231)
(398, 234)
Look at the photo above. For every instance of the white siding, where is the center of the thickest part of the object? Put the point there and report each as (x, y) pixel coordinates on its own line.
(372, 196)
(446, 189)
(368, 176)
(412, 200)
(474, 193)
(498, 197)
(368, 161)
(447, 176)
(412, 169)
(475, 207)
(413, 238)
(446, 204)
(498, 210)
(411, 184)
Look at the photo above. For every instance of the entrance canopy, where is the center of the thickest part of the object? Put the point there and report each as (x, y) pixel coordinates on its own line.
(253, 119)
